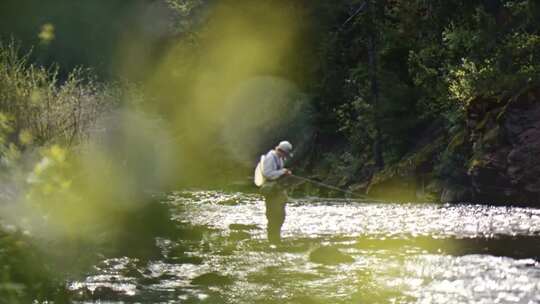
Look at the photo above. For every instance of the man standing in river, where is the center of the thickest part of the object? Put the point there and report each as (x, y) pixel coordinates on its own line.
(269, 175)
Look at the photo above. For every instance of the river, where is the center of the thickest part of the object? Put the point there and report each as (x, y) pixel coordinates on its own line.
(390, 253)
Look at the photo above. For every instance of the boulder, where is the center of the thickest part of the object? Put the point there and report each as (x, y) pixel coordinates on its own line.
(329, 256)
(505, 166)
(212, 279)
(239, 236)
(107, 293)
(244, 227)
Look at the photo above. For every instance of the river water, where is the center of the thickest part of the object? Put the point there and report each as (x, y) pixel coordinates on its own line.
(390, 253)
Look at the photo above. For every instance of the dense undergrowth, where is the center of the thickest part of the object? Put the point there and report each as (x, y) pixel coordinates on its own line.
(42, 119)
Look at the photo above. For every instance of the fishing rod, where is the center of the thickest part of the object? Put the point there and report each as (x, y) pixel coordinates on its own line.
(327, 186)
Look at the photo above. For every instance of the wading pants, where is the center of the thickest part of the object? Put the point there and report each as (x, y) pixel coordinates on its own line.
(275, 200)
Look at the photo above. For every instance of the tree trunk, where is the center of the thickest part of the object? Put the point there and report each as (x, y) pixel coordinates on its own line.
(373, 77)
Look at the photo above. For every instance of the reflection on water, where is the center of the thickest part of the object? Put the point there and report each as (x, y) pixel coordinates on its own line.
(399, 254)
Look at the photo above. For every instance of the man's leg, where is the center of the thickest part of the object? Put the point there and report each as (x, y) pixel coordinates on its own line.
(275, 214)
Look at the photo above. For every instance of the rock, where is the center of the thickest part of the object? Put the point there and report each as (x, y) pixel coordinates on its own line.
(405, 180)
(227, 249)
(132, 272)
(106, 293)
(430, 191)
(533, 187)
(149, 281)
(329, 256)
(514, 172)
(212, 279)
(505, 139)
(292, 246)
(530, 137)
(455, 194)
(360, 187)
(180, 254)
(230, 202)
(517, 155)
(178, 250)
(243, 227)
(184, 259)
(239, 236)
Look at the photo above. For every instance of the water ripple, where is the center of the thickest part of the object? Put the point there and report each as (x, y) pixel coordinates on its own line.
(400, 253)
(307, 218)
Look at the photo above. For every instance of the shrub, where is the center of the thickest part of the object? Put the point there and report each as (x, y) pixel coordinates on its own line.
(42, 107)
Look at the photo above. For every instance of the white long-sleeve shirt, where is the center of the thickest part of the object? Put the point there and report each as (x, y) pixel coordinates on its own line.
(273, 166)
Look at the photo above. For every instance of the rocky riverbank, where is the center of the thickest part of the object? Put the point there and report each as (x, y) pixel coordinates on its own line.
(492, 158)
(505, 141)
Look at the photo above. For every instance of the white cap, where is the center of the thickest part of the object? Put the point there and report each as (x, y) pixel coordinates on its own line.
(286, 147)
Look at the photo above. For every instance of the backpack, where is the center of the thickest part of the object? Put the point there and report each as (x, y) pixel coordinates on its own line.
(258, 177)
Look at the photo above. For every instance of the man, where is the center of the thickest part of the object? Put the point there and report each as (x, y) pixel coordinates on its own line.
(269, 175)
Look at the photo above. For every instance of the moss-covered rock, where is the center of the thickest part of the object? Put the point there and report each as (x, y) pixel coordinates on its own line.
(212, 279)
(503, 165)
(329, 256)
(407, 180)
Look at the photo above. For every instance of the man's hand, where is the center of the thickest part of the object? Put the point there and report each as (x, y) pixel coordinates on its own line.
(288, 172)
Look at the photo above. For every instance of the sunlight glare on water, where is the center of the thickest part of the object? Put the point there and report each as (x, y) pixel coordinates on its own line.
(320, 217)
(401, 253)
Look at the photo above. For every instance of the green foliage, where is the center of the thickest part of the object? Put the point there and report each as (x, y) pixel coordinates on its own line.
(355, 120)
(451, 163)
(480, 52)
(36, 109)
(433, 59)
(25, 274)
(50, 176)
(348, 86)
(384, 74)
(40, 107)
